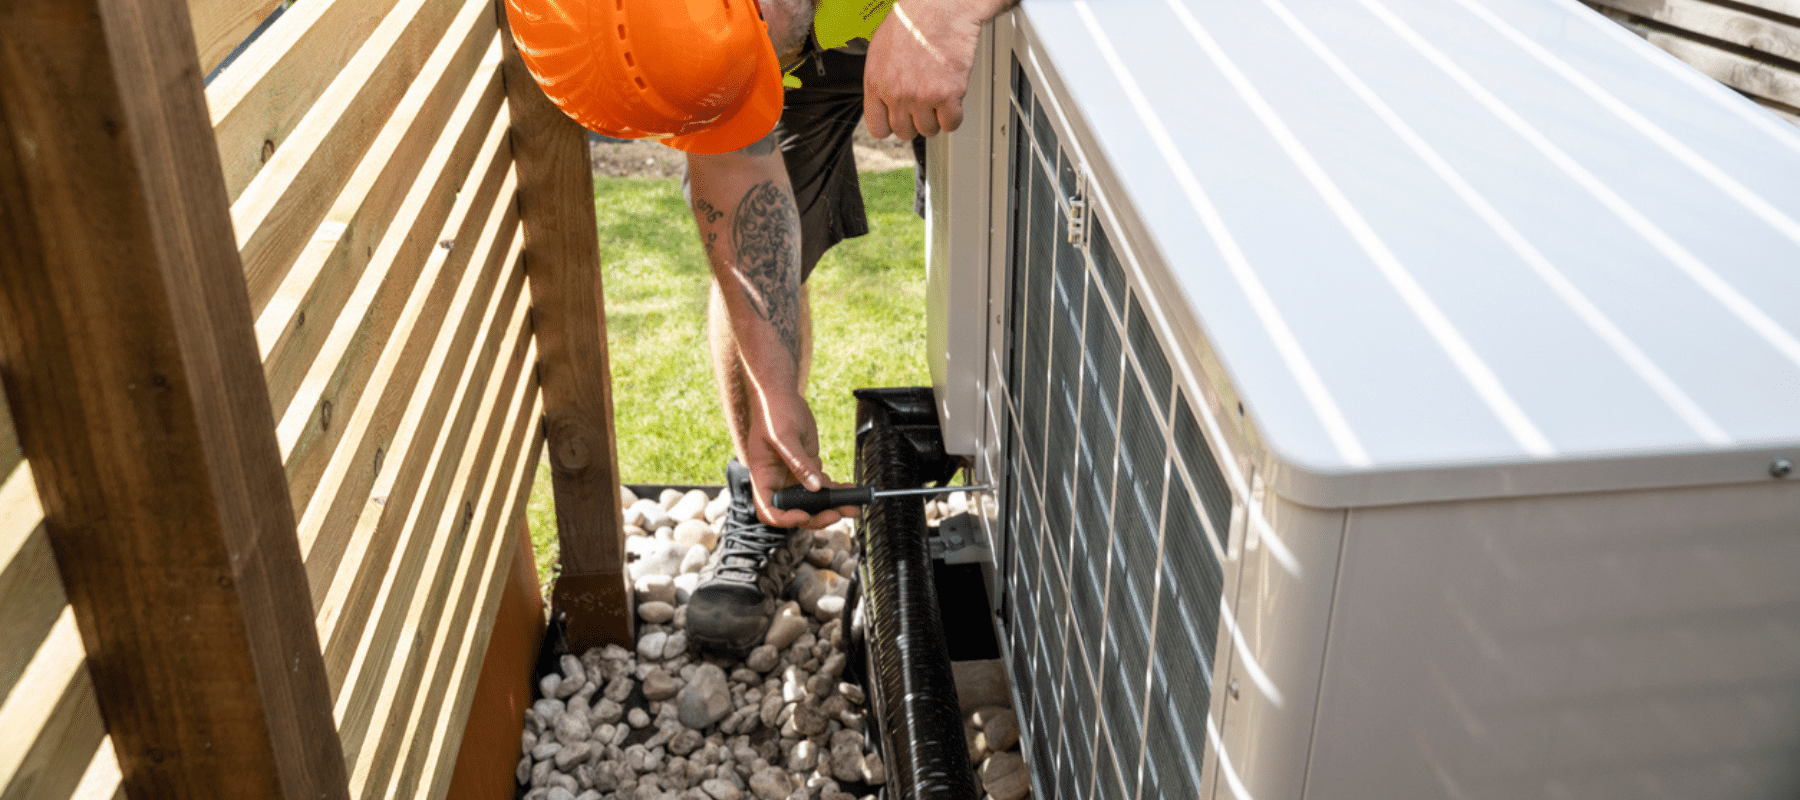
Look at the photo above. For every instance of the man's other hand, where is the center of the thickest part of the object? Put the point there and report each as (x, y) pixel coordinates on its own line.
(917, 69)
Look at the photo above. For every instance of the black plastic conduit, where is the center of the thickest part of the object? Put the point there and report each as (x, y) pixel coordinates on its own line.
(912, 691)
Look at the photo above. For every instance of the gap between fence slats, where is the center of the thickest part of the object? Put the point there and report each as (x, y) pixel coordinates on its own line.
(294, 324)
(256, 102)
(367, 593)
(320, 415)
(221, 25)
(417, 682)
(443, 747)
(371, 655)
(31, 590)
(344, 548)
(50, 723)
(433, 749)
(287, 198)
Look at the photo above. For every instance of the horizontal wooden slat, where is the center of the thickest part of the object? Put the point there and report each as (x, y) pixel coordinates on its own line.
(409, 418)
(256, 102)
(335, 465)
(31, 590)
(50, 724)
(1775, 36)
(442, 744)
(316, 420)
(221, 25)
(367, 645)
(1739, 72)
(288, 197)
(294, 324)
(10, 455)
(438, 624)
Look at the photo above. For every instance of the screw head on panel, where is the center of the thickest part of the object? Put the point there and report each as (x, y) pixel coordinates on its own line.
(1781, 468)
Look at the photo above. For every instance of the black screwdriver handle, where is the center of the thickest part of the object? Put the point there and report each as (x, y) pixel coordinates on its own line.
(797, 497)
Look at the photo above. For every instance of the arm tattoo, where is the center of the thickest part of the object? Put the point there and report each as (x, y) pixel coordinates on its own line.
(765, 235)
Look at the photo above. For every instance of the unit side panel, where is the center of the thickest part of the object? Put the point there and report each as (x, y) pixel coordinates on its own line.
(1279, 624)
(1615, 645)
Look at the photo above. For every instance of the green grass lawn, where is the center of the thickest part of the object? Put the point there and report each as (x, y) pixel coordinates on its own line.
(868, 299)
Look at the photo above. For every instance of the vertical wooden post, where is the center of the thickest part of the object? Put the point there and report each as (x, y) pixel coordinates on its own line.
(562, 263)
(131, 366)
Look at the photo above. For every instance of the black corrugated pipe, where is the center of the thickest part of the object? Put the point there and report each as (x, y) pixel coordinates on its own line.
(912, 690)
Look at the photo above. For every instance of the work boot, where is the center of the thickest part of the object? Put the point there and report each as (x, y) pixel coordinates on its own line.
(744, 579)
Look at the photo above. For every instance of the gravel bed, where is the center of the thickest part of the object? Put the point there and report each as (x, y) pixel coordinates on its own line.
(662, 723)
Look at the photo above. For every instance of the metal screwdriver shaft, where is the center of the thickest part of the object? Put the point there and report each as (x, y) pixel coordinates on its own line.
(797, 497)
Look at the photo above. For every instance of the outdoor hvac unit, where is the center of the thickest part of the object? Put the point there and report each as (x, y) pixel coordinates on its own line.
(1386, 399)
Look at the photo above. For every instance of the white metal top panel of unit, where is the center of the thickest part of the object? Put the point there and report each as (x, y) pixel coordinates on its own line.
(1454, 248)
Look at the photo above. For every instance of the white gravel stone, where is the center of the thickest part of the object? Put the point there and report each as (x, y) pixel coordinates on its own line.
(676, 646)
(1005, 777)
(660, 685)
(667, 498)
(1001, 731)
(721, 790)
(548, 709)
(694, 560)
(656, 612)
(650, 645)
(544, 751)
(788, 625)
(684, 588)
(706, 699)
(763, 658)
(654, 557)
(771, 783)
(690, 506)
(655, 589)
(638, 718)
(695, 532)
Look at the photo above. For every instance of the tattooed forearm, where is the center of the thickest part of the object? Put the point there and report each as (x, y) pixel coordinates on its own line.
(765, 236)
(707, 211)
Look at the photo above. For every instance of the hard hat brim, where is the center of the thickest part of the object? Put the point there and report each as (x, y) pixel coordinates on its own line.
(752, 120)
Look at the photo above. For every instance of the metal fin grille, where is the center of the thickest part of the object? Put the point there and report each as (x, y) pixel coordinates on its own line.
(1114, 583)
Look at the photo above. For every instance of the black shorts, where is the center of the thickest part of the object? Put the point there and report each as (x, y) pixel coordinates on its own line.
(816, 134)
(818, 124)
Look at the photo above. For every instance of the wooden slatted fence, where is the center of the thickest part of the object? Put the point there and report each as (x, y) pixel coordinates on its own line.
(387, 188)
(52, 740)
(1752, 46)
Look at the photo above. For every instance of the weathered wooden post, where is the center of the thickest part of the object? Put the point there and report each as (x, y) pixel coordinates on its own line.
(562, 262)
(132, 370)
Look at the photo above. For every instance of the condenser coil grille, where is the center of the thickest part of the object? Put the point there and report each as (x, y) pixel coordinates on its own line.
(1113, 580)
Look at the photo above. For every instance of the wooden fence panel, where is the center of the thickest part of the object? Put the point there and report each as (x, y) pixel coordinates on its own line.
(295, 323)
(343, 419)
(258, 100)
(133, 378)
(308, 168)
(50, 727)
(221, 25)
(1753, 47)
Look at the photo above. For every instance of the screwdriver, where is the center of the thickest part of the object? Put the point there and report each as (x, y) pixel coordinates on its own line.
(797, 497)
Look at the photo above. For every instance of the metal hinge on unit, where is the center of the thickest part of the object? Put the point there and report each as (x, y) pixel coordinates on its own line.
(954, 535)
(1079, 211)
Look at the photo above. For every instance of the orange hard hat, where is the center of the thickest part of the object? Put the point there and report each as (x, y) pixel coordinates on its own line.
(699, 75)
